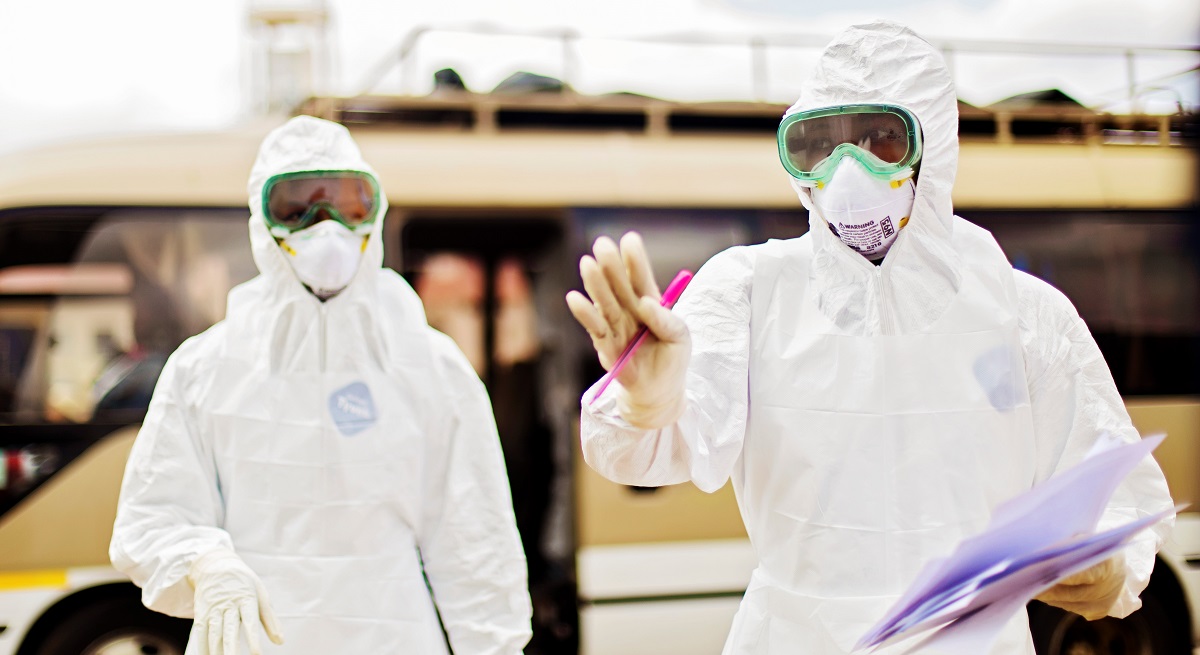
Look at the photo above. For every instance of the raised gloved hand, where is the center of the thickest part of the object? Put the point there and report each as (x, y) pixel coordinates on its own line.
(624, 297)
(229, 598)
(1091, 592)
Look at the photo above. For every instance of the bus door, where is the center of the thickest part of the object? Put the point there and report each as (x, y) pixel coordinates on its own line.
(493, 284)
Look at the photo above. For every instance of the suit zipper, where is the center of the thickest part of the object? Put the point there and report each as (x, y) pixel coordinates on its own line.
(885, 308)
(321, 337)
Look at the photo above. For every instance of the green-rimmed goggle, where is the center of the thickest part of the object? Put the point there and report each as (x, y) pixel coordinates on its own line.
(886, 139)
(294, 201)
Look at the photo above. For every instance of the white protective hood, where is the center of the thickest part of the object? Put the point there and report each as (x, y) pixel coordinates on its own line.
(884, 62)
(309, 144)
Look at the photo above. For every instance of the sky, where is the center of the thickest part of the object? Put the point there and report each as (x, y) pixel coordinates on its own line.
(78, 68)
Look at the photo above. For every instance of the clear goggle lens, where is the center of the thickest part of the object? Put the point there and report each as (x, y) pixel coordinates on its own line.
(886, 139)
(294, 201)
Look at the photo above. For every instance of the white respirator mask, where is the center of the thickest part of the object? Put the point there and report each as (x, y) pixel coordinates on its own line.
(324, 256)
(864, 211)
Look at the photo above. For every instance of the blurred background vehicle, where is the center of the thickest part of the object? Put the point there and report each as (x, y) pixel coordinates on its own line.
(113, 251)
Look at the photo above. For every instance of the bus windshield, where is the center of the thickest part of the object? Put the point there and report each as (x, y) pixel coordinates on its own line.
(92, 304)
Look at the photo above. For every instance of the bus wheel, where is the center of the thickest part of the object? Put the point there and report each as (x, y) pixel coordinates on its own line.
(1147, 631)
(116, 626)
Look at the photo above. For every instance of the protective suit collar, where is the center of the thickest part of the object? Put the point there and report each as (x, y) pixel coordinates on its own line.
(885, 62)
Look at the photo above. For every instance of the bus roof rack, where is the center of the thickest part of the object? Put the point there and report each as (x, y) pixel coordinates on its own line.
(566, 111)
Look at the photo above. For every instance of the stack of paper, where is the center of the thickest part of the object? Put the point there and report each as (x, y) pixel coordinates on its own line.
(1032, 542)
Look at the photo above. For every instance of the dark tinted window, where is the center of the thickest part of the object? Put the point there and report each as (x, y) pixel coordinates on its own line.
(92, 300)
(1133, 276)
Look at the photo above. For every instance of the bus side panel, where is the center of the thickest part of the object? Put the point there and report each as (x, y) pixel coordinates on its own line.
(1179, 454)
(68, 521)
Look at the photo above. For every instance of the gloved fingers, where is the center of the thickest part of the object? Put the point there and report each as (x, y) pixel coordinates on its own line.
(1113, 566)
(248, 614)
(598, 289)
(1090, 600)
(610, 261)
(1078, 578)
(1065, 593)
(231, 624)
(668, 327)
(1079, 593)
(267, 615)
(650, 416)
(1089, 611)
(199, 636)
(1100, 581)
(1087, 576)
(215, 629)
(637, 262)
(588, 316)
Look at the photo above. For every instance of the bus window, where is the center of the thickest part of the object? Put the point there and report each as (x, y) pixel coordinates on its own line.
(1133, 277)
(92, 301)
(16, 341)
(675, 239)
(152, 279)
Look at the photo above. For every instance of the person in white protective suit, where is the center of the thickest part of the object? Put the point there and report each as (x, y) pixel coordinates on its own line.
(303, 461)
(874, 388)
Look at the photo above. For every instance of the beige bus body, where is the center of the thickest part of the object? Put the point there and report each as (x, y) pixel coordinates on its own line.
(67, 522)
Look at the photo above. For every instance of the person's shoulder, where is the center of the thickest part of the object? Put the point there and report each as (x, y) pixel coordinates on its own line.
(196, 357)
(1040, 302)
(736, 264)
(745, 255)
(449, 362)
(441, 345)
(202, 347)
(1048, 323)
(397, 296)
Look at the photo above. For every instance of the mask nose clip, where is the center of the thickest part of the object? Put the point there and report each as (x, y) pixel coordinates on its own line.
(863, 209)
(322, 211)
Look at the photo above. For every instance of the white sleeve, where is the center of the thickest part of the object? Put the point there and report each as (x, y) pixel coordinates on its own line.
(1074, 400)
(468, 536)
(704, 444)
(170, 505)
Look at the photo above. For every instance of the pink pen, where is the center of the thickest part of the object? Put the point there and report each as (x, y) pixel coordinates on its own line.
(672, 293)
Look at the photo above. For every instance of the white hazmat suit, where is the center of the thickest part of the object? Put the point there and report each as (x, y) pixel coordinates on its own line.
(871, 417)
(335, 447)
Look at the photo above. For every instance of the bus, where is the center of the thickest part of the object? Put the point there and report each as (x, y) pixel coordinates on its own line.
(112, 251)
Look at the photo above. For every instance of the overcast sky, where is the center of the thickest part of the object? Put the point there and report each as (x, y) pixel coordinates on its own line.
(71, 68)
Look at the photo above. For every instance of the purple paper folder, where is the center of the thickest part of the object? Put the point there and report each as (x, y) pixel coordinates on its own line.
(1032, 541)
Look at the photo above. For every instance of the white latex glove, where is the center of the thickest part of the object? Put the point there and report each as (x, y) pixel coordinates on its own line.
(229, 598)
(624, 297)
(1091, 592)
